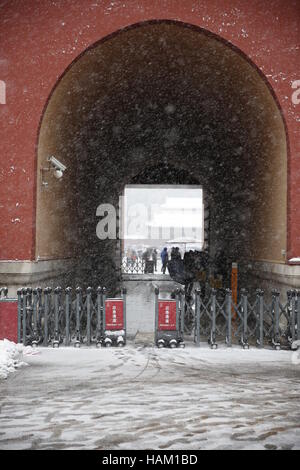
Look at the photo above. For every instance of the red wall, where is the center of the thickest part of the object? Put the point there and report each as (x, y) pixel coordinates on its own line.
(9, 320)
(39, 39)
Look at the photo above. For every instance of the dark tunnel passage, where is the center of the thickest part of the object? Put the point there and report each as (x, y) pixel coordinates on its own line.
(162, 103)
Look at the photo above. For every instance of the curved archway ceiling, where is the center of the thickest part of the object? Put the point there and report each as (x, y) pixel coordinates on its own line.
(164, 93)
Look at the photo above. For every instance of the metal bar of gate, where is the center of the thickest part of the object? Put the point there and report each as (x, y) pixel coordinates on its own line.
(88, 315)
(245, 319)
(47, 293)
(29, 314)
(57, 294)
(39, 313)
(24, 319)
(197, 317)
(213, 332)
(78, 308)
(99, 315)
(20, 300)
(276, 332)
(229, 318)
(260, 318)
(292, 298)
(35, 303)
(67, 314)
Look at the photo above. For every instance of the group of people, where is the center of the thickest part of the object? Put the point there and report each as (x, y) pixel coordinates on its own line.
(181, 268)
(131, 257)
(151, 255)
(175, 255)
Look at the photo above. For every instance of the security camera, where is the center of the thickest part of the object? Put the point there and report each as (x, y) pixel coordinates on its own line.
(58, 167)
(58, 174)
(55, 167)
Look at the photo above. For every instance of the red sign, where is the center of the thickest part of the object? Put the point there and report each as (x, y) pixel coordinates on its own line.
(167, 315)
(114, 319)
(9, 320)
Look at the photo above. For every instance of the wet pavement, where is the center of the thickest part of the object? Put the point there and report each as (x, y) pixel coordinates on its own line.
(144, 398)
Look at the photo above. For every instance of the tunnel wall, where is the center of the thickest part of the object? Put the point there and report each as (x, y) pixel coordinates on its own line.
(95, 104)
(38, 41)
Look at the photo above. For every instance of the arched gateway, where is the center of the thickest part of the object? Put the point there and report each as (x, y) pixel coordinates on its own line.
(182, 94)
(162, 92)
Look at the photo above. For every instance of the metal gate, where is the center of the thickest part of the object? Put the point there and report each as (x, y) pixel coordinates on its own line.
(252, 320)
(57, 317)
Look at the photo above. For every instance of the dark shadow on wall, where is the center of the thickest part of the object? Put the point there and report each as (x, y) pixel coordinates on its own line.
(168, 97)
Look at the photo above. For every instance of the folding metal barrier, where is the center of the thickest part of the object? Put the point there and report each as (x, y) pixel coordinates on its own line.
(54, 317)
(169, 320)
(251, 320)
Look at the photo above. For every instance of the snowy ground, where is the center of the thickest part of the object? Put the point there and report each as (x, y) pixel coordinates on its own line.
(11, 357)
(144, 398)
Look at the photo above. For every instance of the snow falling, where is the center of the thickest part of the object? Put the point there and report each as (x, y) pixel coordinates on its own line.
(145, 398)
(98, 97)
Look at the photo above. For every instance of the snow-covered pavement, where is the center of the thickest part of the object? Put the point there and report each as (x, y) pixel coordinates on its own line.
(11, 357)
(144, 398)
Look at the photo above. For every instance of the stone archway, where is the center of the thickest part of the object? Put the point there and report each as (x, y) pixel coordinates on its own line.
(162, 92)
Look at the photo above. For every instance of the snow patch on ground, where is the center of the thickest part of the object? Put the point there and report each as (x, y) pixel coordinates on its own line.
(11, 357)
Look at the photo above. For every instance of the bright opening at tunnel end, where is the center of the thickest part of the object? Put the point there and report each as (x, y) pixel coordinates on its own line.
(154, 213)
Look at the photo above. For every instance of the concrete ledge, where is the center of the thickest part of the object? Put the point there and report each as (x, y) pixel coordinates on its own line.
(34, 267)
(277, 268)
(146, 277)
(16, 274)
(284, 273)
(271, 275)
